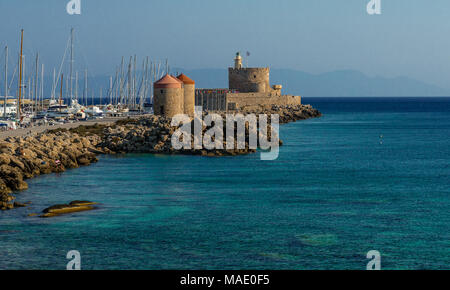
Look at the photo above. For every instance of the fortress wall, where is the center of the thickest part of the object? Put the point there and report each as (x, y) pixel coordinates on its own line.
(248, 80)
(211, 99)
(254, 100)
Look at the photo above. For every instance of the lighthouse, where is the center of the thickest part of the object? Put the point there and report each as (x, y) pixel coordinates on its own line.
(238, 61)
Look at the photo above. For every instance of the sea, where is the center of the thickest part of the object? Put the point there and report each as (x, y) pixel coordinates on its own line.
(372, 174)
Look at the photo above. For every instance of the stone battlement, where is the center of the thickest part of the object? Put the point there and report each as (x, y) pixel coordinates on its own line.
(245, 101)
(249, 80)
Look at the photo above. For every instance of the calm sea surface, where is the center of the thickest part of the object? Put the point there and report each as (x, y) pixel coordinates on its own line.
(371, 174)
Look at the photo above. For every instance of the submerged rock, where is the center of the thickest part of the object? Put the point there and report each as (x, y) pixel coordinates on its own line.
(82, 203)
(72, 207)
(18, 204)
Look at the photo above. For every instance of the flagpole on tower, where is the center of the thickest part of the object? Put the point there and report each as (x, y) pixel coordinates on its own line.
(248, 54)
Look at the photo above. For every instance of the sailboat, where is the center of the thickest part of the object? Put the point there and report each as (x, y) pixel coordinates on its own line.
(94, 111)
(9, 110)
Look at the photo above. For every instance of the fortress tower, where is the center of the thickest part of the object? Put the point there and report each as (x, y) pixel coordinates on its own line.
(168, 96)
(248, 80)
(249, 89)
(189, 94)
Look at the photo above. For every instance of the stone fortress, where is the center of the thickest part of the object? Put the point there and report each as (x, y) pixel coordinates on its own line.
(249, 88)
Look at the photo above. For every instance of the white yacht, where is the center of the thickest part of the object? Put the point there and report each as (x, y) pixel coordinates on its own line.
(8, 125)
(57, 110)
(94, 111)
(11, 109)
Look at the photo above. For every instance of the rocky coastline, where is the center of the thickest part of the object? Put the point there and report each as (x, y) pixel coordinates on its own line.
(55, 151)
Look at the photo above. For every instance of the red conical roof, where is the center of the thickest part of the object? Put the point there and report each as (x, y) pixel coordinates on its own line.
(185, 79)
(167, 82)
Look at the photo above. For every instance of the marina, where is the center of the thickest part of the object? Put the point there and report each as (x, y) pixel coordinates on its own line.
(25, 102)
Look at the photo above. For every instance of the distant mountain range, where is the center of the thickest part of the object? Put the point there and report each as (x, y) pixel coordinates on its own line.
(343, 83)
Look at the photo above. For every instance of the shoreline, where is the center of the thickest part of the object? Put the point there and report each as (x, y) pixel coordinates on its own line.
(53, 150)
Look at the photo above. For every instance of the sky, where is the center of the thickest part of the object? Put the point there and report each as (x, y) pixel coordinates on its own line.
(410, 38)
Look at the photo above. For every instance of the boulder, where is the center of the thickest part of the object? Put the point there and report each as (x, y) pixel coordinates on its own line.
(4, 189)
(14, 161)
(72, 207)
(12, 177)
(83, 160)
(4, 159)
(18, 204)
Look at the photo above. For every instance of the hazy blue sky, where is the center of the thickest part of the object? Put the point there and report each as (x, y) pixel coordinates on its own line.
(411, 37)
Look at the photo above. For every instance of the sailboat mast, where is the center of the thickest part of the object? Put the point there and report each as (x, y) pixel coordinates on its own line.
(129, 81)
(152, 77)
(159, 69)
(53, 85)
(146, 81)
(116, 91)
(134, 83)
(85, 86)
(122, 81)
(36, 83)
(6, 82)
(71, 65)
(66, 93)
(41, 94)
(30, 79)
(110, 89)
(61, 92)
(76, 86)
(20, 77)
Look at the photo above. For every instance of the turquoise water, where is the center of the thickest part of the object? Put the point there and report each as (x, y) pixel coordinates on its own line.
(371, 174)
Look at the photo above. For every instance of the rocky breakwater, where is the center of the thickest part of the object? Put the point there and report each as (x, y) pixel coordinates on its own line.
(153, 134)
(288, 113)
(22, 158)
